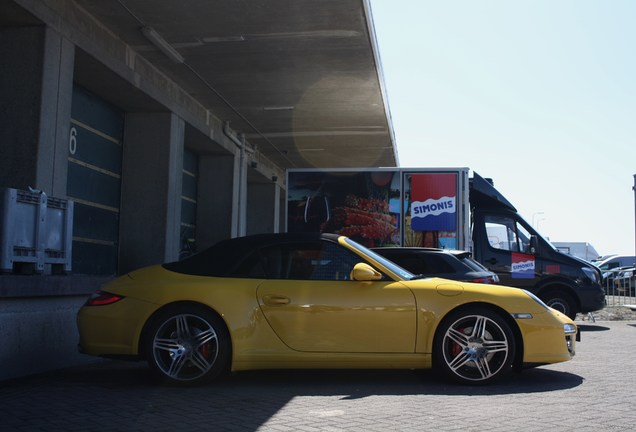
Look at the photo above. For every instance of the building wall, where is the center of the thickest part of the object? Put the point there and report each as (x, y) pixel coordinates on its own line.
(35, 92)
(37, 312)
(38, 322)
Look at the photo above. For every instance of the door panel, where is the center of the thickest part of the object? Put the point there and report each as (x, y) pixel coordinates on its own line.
(507, 251)
(340, 316)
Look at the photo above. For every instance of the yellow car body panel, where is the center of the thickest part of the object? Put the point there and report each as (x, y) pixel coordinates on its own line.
(233, 299)
(542, 334)
(340, 316)
(543, 338)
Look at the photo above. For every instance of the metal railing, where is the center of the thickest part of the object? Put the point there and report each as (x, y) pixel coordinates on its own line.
(620, 287)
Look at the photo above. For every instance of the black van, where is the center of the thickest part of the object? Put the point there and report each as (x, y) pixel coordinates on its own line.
(507, 245)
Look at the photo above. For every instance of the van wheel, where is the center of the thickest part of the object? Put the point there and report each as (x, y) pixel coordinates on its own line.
(561, 301)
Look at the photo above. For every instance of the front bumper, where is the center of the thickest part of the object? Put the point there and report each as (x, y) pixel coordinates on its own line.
(592, 298)
(549, 337)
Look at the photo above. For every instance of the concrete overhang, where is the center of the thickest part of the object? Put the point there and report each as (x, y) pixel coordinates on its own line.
(301, 79)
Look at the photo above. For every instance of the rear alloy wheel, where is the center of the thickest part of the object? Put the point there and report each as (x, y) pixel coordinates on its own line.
(474, 346)
(187, 345)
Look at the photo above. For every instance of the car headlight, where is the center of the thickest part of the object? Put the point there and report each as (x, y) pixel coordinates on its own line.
(571, 334)
(569, 329)
(591, 274)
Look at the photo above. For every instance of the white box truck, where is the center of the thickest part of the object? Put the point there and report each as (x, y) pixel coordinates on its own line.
(441, 207)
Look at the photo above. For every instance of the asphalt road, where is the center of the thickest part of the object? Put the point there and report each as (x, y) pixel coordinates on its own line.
(594, 392)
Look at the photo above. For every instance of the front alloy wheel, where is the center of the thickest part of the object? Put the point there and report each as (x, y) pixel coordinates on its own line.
(187, 346)
(474, 347)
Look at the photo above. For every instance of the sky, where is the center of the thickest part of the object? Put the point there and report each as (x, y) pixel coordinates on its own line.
(539, 95)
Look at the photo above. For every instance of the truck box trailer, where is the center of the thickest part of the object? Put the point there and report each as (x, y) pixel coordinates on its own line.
(441, 207)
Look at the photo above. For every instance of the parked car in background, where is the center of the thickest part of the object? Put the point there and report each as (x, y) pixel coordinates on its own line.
(625, 281)
(610, 267)
(608, 279)
(600, 259)
(444, 263)
(285, 301)
(616, 261)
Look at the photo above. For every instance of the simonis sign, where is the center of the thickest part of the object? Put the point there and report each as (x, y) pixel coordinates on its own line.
(434, 202)
(523, 266)
(433, 207)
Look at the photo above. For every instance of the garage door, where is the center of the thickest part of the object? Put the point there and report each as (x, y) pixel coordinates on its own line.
(94, 182)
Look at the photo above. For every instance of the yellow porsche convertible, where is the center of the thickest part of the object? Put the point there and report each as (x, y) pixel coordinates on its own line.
(275, 301)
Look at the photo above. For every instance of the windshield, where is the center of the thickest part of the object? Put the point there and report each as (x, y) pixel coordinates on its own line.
(531, 231)
(404, 274)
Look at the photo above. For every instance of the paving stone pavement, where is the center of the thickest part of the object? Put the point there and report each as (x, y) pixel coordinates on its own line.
(594, 392)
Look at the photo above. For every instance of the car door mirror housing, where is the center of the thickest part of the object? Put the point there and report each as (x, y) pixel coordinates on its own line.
(534, 244)
(364, 272)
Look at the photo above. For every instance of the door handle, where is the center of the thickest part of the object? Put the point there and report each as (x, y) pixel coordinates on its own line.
(492, 261)
(276, 300)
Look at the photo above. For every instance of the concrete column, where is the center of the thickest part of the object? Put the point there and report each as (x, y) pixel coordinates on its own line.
(36, 93)
(217, 194)
(263, 208)
(240, 195)
(151, 190)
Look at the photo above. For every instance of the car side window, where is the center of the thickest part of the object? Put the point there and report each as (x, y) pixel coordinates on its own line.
(333, 263)
(318, 260)
(412, 263)
(437, 264)
(251, 267)
(422, 263)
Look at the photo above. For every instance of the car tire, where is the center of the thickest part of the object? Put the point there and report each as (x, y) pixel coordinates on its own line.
(187, 344)
(474, 346)
(561, 301)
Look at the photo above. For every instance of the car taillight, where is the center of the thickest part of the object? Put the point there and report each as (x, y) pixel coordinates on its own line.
(101, 298)
(484, 280)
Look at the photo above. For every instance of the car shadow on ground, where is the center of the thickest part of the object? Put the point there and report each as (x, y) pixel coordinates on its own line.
(363, 383)
(592, 328)
(121, 376)
(134, 400)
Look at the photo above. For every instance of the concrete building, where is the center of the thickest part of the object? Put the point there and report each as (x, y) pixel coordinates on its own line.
(169, 126)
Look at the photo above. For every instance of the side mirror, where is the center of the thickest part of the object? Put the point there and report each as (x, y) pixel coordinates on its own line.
(534, 244)
(364, 272)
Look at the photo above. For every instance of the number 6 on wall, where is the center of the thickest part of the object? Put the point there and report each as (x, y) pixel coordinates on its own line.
(72, 145)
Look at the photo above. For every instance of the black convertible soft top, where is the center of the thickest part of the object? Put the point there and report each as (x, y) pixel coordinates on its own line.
(219, 260)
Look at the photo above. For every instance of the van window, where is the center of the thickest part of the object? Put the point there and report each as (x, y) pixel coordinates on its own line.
(507, 234)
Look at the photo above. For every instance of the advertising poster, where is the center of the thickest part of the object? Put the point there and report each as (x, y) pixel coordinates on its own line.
(377, 207)
(434, 202)
(358, 204)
